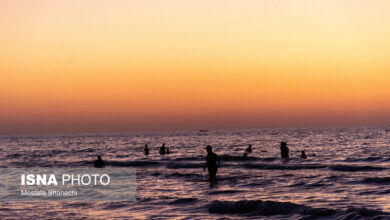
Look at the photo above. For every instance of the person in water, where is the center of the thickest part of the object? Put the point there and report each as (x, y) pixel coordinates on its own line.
(284, 149)
(99, 163)
(167, 151)
(249, 149)
(212, 163)
(162, 150)
(303, 155)
(146, 150)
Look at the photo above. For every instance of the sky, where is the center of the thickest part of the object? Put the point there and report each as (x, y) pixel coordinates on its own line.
(112, 66)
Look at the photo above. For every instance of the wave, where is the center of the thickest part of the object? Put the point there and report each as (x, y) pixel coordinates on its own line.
(77, 204)
(234, 158)
(284, 167)
(228, 158)
(339, 167)
(368, 159)
(123, 156)
(185, 165)
(362, 213)
(249, 158)
(87, 150)
(269, 208)
(132, 163)
(114, 205)
(266, 208)
(189, 158)
(219, 192)
(269, 158)
(377, 180)
(350, 168)
(183, 201)
(11, 156)
(186, 175)
(52, 163)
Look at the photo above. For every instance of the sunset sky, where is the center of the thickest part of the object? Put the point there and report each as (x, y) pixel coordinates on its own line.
(100, 66)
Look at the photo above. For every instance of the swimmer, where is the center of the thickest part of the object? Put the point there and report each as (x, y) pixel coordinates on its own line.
(146, 150)
(249, 149)
(303, 155)
(212, 163)
(99, 163)
(284, 150)
(162, 150)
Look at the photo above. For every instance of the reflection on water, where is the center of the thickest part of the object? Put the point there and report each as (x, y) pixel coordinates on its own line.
(349, 176)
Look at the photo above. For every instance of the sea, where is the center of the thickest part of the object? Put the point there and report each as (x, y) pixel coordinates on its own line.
(346, 174)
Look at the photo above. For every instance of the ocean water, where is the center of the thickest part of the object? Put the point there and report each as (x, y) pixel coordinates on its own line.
(348, 178)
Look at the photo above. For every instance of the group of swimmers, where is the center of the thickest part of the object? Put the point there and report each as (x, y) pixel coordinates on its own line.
(284, 151)
(162, 150)
(212, 160)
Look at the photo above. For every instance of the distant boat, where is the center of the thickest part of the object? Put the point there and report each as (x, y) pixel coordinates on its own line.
(202, 130)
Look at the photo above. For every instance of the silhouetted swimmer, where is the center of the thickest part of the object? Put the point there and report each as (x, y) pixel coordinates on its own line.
(162, 150)
(212, 163)
(167, 151)
(146, 150)
(303, 155)
(99, 163)
(284, 149)
(249, 149)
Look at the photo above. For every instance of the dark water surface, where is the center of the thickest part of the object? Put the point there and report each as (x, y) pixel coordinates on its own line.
(349, 178)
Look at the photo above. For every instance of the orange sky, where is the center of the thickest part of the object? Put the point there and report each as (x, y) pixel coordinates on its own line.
(90, 66)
